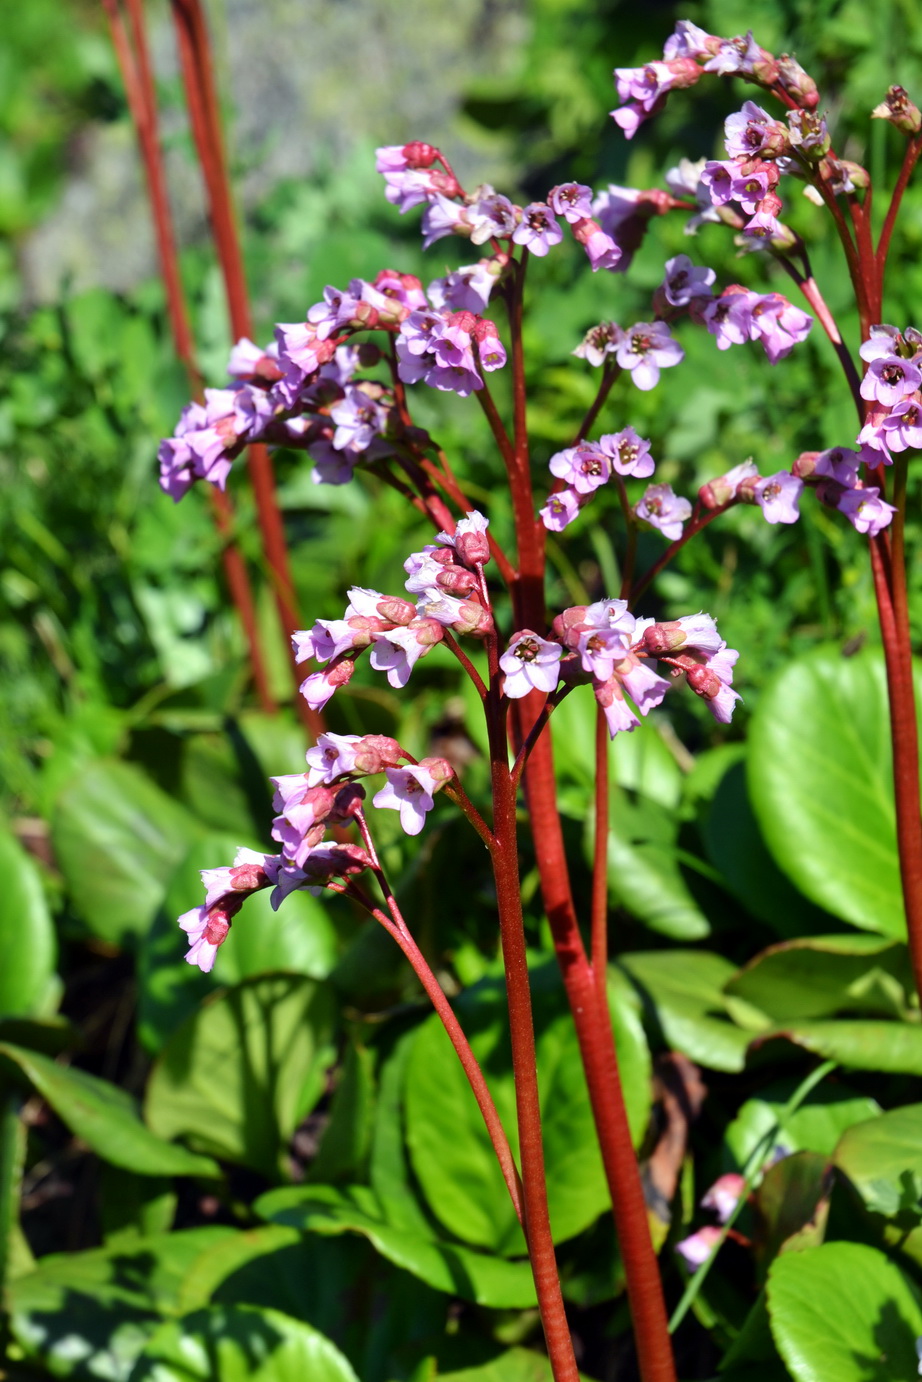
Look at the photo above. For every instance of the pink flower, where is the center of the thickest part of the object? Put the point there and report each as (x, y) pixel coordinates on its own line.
(697, 1248)
(778, 496)
(865, 510)
(645, 349)
(538, 229)
(724, 1195)
(331, 757)
(530, 664)
(409, 791)
(663, 509)
(560, 510)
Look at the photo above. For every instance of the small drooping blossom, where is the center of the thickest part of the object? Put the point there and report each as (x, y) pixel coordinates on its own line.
(729, 316)
(629, 453)
(248, 362)
(689, 631)
(778, 496)
(598, 342)
(712, 681)
(663, 509)
(724, 1195)
(617, 711)
(469, 539)
(247, 874)
(571, 200)
(410, 791)
(320, 686)
(688, 41)
(358, 418)
(684, 181)
(645, 349)
(560, 510)
(207, 929)
(685, 281)
(753, 131)
(602, 251)
(227, 888)
(778, 325)
(466, 289)
(865, 510)
(398, 651)
(838, 463)
(538, 229)
(697, 1247)
(808, 133)
(624, 213)
(531, 663)
(715, 493)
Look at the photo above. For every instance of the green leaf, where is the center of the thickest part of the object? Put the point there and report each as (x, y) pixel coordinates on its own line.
(28, 949)
(449, 1148)
(829, 822)
(793, 1203)
(515, 1365)
(843, 1311)
(239, 1075)
(684, 989)
(240, 1343)
(821, 975)
(449, 1267)
(645, 868)
(891, 1048)
(883, 1160)
(118, 839)
(105, 1118)
(815, 1126)
(639, 761)
(88, 1314)
(346, 1138)
(735, 846)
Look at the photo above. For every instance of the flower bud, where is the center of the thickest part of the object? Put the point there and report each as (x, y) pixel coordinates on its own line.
(375, 752)
(805, 465)
(420, 155)
(348, 802)
(664, 638)
(723, 490)
(796, 82)
(429, 631)
(899, 110)
(335, 861)
(473, 619)
(703, 681)
(456, 581)
(395, 610)
(566, 623)
(440, 769)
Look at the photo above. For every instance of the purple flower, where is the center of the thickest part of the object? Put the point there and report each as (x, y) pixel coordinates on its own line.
(903, 428)
(751, 131)
(645, 349)
(466, 289)
(689, 631)
(778, 324)
(688, 41)
(538, 230)
(409, 791)
(724, 1195)
(584, 467)
(530, 663)
(684, 281)
(491, 216)
(662, 509)
(778, 496)
(602, 251)
(890, 379)
(598, 342)
(735, 55)
(618, 714)
(560, 510)
(398, 651)
(629, 453)
(839, 463)
(865, 510)
(712, 681)
(729, 317)
(207, 929)
(331, 757)
(443, 217)
(697, 1247)
(571, 200)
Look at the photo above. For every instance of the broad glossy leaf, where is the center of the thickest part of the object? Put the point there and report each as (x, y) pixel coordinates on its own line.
(793, 1202)
(346, 1138)
(28, 948)
(88, 1314)
(645, 868)
(240, 1343)
(485, 1279)
(639, 761)
(515, 1365)
(684, 989)
(450, 1152)
(105, 1118)
(892, 1048)
(821, 975)
(815, 1126)
(118, 840)
(239, 1075)
(735, 846)
(883, 1159)
(843, 1311)
(821, 784)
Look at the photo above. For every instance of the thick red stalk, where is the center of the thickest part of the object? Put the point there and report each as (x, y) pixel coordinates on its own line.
(195, 62)
(586, 992)
(599, 923)
(137, 75)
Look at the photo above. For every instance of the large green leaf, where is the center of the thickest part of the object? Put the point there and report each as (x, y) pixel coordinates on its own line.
(88, 1314)
(449, 1148)
(639, 761)
(450, 1267)
(28, 949)
(118, 840)
(815, 1126)
(105, 1118)
(820, 975)
(883, 1159)
(821, 783)
(514, 1365)
(843, 1312)
(239, 1075)
(893, 1048)
(240, 1343)
(684, 990)
(645, 867)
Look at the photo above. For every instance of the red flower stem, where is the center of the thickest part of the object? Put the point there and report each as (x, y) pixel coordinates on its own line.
(808, 286)
(696, 523)
(195, 63)
(398, 929)
(461, 655)
(537, 1224)
(910, 158)
(609, 374)
(599, 914)
(534, 734)
(501, 436)
(137, 76)
(591, 1016)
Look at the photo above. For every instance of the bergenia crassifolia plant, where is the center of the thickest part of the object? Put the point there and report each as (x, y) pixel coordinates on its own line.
(341, 386)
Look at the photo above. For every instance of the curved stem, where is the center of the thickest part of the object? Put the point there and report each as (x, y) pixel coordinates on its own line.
(910, 158)
(808, 286)
(698, 521)
(461, 655)
(610, 373)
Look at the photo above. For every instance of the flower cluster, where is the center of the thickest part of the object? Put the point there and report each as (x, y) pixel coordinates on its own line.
(447, 579)
(892, 387)
(603, 643)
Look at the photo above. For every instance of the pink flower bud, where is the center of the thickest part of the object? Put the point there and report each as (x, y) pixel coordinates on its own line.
(473, 619)
(247, 877)
(218, 923)
(429, 631)
(795, 81)
(396, 611)
(347, 802)
(566, 625)
(456, 581)
(685, 72)
(439, 769)
(375, 752)
(664, 638)
(805, 464)
(703, 681)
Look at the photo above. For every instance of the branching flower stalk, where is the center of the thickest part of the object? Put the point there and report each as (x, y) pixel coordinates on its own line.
(339, 387)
